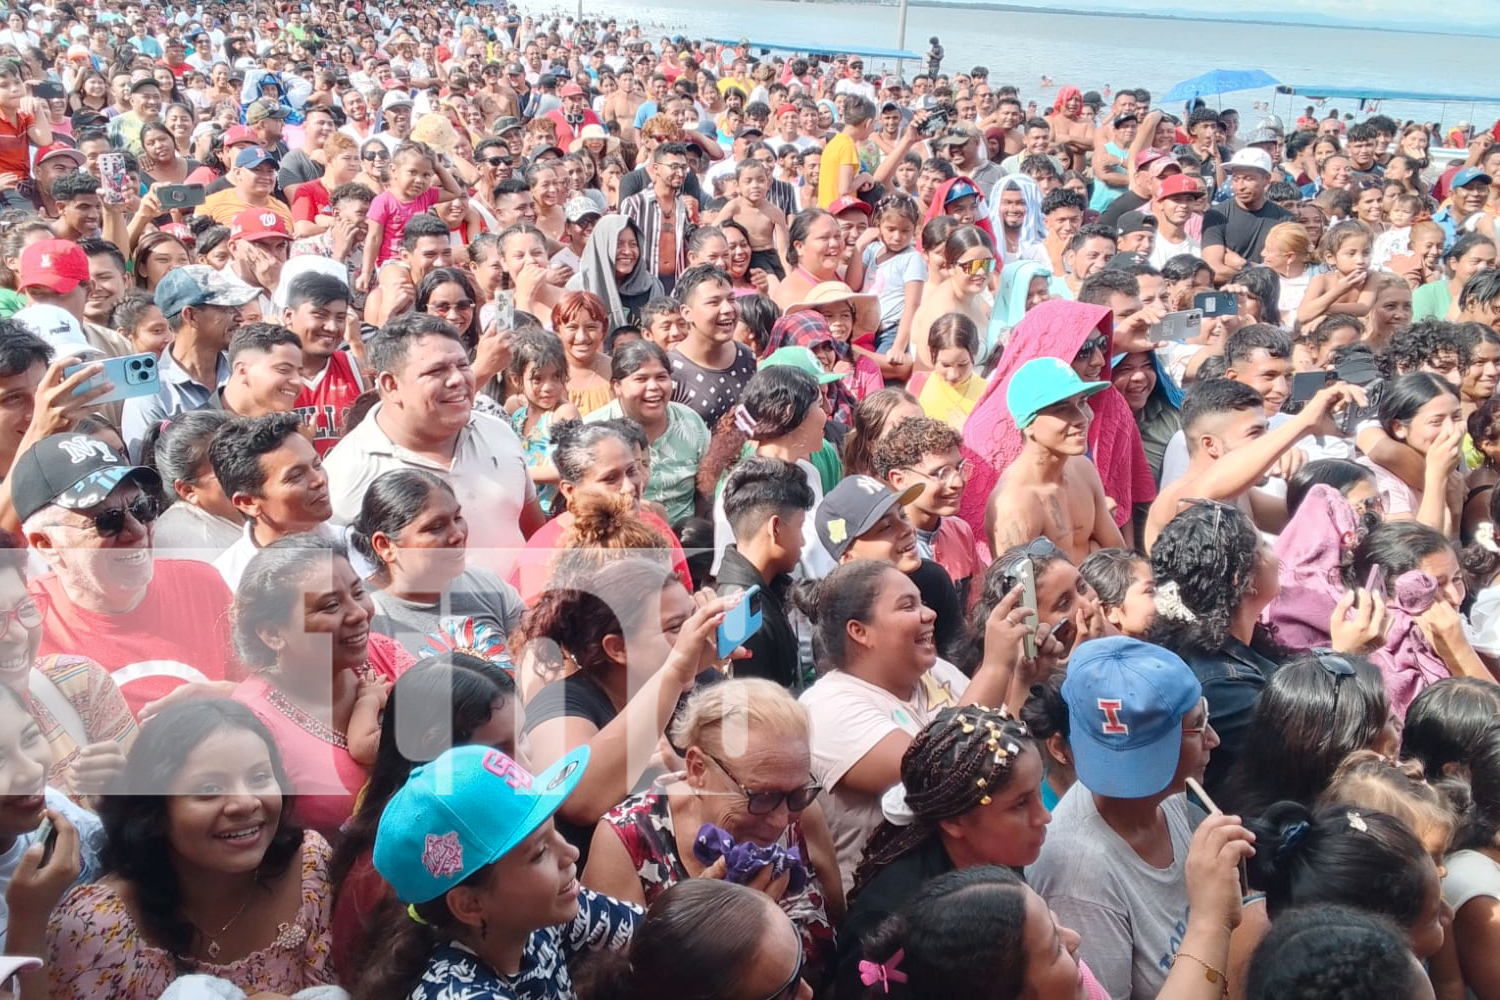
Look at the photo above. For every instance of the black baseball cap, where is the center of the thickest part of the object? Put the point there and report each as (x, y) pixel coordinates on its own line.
(853, 506)
(72, 470)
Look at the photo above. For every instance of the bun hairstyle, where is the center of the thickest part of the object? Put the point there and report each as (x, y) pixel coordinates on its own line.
(607, 521)
(956, 764)
(1341, 855)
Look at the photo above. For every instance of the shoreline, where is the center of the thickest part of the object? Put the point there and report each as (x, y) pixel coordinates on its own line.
(994, 6)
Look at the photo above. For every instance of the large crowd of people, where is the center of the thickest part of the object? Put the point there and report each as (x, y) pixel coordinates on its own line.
(505, 507)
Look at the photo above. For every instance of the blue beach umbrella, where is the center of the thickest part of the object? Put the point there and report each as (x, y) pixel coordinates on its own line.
(1220, 81)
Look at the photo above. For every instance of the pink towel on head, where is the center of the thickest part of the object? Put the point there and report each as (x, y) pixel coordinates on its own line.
(1311, 551)
(1407, 661)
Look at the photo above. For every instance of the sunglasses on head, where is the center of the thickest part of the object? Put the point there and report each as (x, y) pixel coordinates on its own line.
(110, 521)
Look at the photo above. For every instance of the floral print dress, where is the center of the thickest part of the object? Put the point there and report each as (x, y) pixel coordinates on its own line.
(644, 825)
(96, 949)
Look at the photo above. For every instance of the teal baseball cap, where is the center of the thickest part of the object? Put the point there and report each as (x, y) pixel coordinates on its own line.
(804, 359)
(463, 811)
(1040, 383)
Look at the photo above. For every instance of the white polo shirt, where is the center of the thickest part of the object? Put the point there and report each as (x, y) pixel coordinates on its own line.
(487, 473)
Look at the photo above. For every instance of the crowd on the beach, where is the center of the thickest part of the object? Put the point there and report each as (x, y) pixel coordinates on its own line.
(514, 507)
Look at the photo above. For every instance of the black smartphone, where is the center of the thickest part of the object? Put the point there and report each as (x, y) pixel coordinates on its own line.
(181, 195)
(1217, 304)
(1066, 633)
(934, 124)
(1306, 385)
(48, 91)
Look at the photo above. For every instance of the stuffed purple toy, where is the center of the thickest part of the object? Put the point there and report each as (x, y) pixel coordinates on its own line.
(742, 862)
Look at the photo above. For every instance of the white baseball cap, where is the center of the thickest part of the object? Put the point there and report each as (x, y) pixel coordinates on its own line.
(1250, 158)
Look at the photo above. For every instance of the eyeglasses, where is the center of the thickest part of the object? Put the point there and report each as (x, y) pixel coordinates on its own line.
(1198, 730)
(1098, 342)
(765, 803)
(984, 265)
(947, 474)
(1336, 667)
(793, 985)
(110, 521)
(28, 614)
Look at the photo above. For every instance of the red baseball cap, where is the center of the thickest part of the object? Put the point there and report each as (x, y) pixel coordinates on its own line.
(56, 265)
(1148, 156)
(571, 90)
(1179, 184)
(60, 149)
(785, 108)
(258, 224)
(842, 205)
(239, 133)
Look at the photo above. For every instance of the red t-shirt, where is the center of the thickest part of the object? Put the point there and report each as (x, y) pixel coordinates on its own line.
(324, 403)
(179, 634)
(311, 201)
(14, 146)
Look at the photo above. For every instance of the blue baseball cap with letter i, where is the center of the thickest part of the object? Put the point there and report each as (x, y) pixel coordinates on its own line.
(1126, 702)
(463, 811)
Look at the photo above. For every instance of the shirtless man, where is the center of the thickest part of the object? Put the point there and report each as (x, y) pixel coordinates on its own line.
(1052, 488)
(621, 106)
(1219, 417)
(1008, 116)
(1072, 131)
(766, 223)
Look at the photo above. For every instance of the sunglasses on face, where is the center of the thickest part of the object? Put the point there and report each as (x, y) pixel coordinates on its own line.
(499, 161)
(765, 803)
(378, 154)
(108, 523)
(1098, 342)
(983, 265)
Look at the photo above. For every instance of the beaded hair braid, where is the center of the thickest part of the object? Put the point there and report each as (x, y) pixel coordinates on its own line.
(955, 764)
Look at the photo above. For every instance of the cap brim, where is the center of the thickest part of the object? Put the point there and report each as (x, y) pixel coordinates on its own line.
(551, 789)
(1137, 773)
(91, 490)
(1083, 389)
(12, 964)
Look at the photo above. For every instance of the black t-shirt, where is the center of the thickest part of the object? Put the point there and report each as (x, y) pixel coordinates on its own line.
(1240, 230)
(1127, 202)
(711, 392)
(939, 594)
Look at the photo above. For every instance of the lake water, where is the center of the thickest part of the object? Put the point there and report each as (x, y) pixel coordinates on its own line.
(1092, 50)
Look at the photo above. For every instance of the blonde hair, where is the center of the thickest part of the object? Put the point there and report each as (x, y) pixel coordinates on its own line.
(1381, 280)
(338, 143)
(718, 718)
(1291, 237)
(1398, 789)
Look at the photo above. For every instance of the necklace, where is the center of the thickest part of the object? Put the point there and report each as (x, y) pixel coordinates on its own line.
(306, 721)
(213, 949)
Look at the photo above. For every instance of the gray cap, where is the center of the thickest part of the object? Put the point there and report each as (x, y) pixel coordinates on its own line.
(1261, 135)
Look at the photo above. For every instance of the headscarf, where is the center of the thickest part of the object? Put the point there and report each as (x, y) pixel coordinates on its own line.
(809, 328)
(1407, 661)
(940, 201)
(596, 269)
(1311, 550)
(1010, 303)
(1032, 229)
(1056, 329)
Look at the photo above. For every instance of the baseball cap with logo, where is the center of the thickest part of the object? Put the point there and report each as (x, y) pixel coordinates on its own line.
(1126, 700)
(395, 99)
(853, 506)
(198, 285)
(59, 150)
(258, 224)
(71, 470)
(1043, 382)
(465, 810)
(255, 156)
(571, 90)
(261, 110)
(56, 265)
(59, 329)
(1467, 176)
(1179, 184)
(580, 207)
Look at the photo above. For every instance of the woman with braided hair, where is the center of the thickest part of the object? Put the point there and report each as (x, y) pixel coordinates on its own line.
(970, 794)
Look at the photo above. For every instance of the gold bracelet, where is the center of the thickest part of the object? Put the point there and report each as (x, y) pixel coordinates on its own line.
(1209, 972)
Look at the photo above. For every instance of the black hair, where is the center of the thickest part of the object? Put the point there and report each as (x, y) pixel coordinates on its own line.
(776, 399)
(1331, 953)
(1183, 267)
(129, 312)
(1244, 342)
(20, 349)
(1210, 552)
(1210, 396)
(268, 596)
(178, 448)
(759, 314)
(74, 184)
(1340, 473)
(1463, 244)
(573, 443)
(210, 238)
(239, 445)
(1399, 547)
(1264, 285)
(632, 356)
(959, 760)
(1445, 723)
(1092, 231)
(843, 596)
(352, 191)
(391, 503)
(1423, 342)
(797, 232)
(1483, 289)
(1062, 198)
(421, 226)
(95, 247)
(261, 337)
(1351, 857)
(961, 929)
(136, 824)
(758, 488)
(1281, 192)
(1313, 712)
(702, 274)
(316, 289)
(1404, 395)
(1111, 572)
(388, 351)
(1101, 286)
(439, 276)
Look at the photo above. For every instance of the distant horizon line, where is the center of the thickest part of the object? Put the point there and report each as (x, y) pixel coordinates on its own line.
(1331, 22)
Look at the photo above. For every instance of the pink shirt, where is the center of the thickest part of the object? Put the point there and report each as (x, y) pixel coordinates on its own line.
(393, 215)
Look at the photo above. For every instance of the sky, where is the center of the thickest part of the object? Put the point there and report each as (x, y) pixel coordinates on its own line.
(1453, 15)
